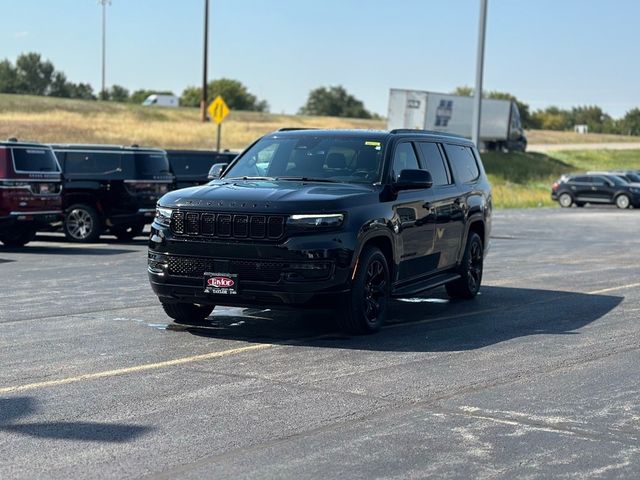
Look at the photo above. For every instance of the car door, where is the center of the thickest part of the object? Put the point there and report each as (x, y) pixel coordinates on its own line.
(413, 219)
(582, 188)
(445, 205)
(602, 189)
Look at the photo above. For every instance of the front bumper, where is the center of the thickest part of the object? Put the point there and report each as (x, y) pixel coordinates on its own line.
(305, 271)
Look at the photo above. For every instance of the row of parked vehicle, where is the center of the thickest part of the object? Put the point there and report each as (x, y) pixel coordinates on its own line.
(88, 190)
(620, 188)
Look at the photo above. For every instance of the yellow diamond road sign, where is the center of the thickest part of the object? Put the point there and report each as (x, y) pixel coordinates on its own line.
(218, 110)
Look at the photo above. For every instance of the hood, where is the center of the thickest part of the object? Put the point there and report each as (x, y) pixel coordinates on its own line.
(271, 196)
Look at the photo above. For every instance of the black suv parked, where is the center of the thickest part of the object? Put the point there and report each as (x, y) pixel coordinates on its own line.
(326, 218)
(191, 167)
(109, 186)
(595, 188)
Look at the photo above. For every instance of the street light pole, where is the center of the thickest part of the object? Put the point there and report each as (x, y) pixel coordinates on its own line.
(477, 100)
(104, 4)
(203, 101)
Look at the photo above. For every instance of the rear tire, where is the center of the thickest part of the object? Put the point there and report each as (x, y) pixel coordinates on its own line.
(468, 285)
(565, 200)
(19, 237)
(187, 312)
(82, 224)
(365, 310)
(623, 201)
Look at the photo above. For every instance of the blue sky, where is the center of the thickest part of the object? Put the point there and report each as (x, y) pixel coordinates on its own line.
(546, 52)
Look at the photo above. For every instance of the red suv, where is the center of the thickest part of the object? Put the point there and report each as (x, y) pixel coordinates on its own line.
(30, 187)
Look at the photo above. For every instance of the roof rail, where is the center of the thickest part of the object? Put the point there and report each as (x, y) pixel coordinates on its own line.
(430, 132)
(12, 139)
(290, 129)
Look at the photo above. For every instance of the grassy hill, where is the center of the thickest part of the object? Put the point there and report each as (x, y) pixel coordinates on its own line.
(519, 179)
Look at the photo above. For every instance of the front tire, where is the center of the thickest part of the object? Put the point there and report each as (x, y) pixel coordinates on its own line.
(468, 285)
(187, 312)
(565, 200)
(366, 307)
(19, 237)
(623, 201)
(82, 224)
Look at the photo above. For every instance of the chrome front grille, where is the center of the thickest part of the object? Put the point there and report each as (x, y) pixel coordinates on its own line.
(227, 225)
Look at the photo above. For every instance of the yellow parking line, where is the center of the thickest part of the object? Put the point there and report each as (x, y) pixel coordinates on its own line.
(135, 369)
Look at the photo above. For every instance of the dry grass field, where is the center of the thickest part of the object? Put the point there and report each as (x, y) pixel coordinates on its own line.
(76, 121)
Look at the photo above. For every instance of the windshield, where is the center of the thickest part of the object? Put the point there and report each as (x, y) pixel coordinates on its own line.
(148, 164)
(323, 158)
(34, 160)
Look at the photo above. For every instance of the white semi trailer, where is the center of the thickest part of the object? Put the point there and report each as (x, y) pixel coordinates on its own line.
(500, 126)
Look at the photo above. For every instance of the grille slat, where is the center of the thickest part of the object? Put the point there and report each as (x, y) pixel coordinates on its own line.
(248, 270)
(225, 225)
(208, 224)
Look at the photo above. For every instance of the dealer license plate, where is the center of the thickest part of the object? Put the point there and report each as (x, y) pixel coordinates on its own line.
(221, 283)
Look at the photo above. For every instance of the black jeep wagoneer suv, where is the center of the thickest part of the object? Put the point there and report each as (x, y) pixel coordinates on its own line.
(326, 218)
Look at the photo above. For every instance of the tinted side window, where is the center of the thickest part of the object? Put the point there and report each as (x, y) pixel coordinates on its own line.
(404, 158)
(599, 181)
(91, 163)
(581, 179)
(434, 163)
(463, 162)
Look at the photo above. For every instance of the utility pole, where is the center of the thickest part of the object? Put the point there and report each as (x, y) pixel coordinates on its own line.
(203, 101)
(104, 4)
(477, 100)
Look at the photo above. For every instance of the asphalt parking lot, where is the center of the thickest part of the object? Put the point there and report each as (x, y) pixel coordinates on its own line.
(537, 377)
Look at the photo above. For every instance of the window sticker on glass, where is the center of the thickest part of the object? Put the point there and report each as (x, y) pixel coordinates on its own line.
(371, 143)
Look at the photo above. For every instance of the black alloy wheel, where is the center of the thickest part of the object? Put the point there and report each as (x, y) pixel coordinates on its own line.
(468, 285)
(365, 309)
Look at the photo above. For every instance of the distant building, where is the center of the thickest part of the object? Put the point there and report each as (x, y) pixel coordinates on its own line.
(581, 129)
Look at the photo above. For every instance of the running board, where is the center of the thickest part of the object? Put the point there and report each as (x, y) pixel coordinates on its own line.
(432, 282)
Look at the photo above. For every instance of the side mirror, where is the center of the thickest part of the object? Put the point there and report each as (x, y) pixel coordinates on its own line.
(216, 170)
(413, 180)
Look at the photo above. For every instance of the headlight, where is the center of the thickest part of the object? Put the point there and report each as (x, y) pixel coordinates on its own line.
(320, 220)
(163, 216)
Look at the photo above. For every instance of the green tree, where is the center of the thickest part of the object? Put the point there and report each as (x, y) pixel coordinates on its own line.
(60, 87)
(630, 123)
(34, 74)
(8, 77)
(463, 91)
(82, 91)
(235, 94)
(118, 93)
(553, 118)
(335, 102)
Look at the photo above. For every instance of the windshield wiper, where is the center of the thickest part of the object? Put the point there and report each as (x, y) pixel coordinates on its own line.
(249, 178)
(308, 179)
